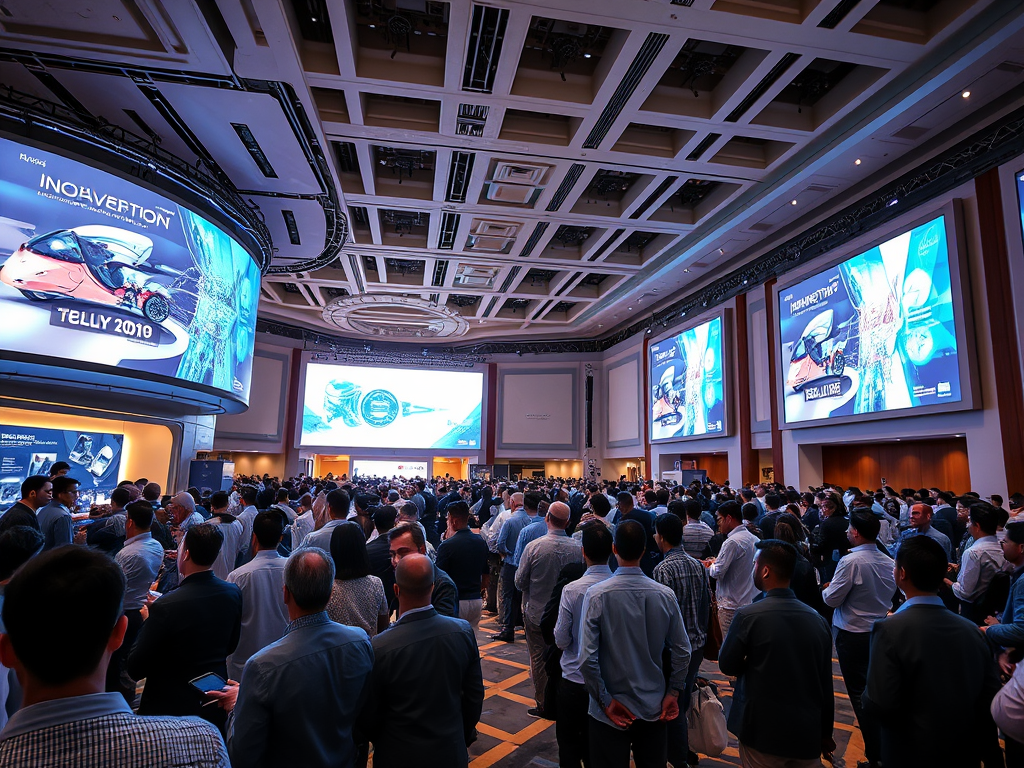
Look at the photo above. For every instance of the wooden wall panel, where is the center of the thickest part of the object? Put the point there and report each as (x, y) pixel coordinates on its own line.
(912, 464)
(716, 465)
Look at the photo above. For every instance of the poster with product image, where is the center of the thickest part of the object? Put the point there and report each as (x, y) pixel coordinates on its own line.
(95, 459)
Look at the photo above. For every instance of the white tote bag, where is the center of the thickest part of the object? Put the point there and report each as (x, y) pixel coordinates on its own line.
(706, 721)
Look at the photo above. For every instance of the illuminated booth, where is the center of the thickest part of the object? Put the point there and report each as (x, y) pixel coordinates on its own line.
(129, 285)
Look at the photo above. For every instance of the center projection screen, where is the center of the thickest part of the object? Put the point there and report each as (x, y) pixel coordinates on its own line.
(97, 269)
(360, 407)
(876, 333)
(687, 383)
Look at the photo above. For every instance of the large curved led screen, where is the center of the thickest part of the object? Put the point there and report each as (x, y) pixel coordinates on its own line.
(358, 407)
(97, 269)
(872, 334)
(687, 387)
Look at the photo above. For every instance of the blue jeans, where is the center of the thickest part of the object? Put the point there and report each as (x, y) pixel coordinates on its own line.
(678, 729)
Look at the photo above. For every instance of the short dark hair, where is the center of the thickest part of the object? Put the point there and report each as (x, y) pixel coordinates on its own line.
(750, 511)
(57, 466)
(459, 509)
(625, 498)
(670, 528)
(83, 591)
(120, 496)
(219, 500)
(630, 540)
(203, 542)
(141, 514)
(600, 505)
(384, 518)
(693, 509)
(778, 555)
(413, 529)
(731, 509)
(309, 576)
(366, 501)
(985, 516)
(597, 542)
(33, 483)
(1015, 532)
(348, 550)
(151, 492)
(282, 495)
(17, 546)
(268, 527)
(532, 499)
(63, 484)
(248, 494)
(924, 561)
(338, 502)
(866, 524)
(772, 500)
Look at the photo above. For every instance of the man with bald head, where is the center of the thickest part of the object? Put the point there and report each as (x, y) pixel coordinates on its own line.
(921, 525)
(426, 689)
(536, 576)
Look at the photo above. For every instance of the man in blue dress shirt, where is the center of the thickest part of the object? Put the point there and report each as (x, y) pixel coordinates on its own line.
(300, 696)
(55, 518)
(629, 620)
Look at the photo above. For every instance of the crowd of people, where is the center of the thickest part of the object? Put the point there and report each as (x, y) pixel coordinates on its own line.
(316, 621)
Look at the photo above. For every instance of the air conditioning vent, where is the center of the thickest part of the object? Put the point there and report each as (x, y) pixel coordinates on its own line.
(458, 176)
(489, 244)
(486, 35)
(565, 187)
(440, 272)
(520, 173)
(472, 119)
(515, 194)
(495, 228)
(762, 87)
(449, 226)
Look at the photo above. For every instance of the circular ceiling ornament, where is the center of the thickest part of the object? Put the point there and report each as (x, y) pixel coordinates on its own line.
(396, 317)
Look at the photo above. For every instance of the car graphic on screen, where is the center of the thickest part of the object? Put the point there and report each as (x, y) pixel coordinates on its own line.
(98, 264)
(818, 354)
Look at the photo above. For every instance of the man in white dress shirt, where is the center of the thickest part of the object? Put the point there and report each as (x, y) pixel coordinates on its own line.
(733, 569)
(233, 531)
(981, 561)
(264, 613)
(861, 592)
(337, 512)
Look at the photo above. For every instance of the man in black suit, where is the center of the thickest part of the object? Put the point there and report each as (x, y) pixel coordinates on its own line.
(188, 632)
(912, 688)
(377, 550)
(423, 714)
(407, 539)
(36, 493)
(781, 652)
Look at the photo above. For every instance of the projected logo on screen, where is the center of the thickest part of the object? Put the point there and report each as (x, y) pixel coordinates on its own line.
(391, 408)
(875, 333)
(687, 392)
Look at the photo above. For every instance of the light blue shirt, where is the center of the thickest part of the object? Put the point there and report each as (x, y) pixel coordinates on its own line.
(55, 523)
(861, 590)
(322, 538)
(532, 532)
(980, 563)
(509, 534)
(628, 621)
(140, 559)
(734, 569)
(922, 600)
(230, 549)
(246, 519)
(568, 628)
(931, 533)
(264, 614)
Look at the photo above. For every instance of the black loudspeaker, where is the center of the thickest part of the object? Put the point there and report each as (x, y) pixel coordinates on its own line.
(589, 414)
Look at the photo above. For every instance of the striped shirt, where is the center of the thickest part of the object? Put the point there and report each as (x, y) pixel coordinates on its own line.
(99, 731)
(696, 535)
(688, 579)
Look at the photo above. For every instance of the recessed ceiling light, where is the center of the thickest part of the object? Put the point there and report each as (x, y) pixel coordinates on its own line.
(857, 161)
(686, 270)
(792, 202)
(587, 55)
(966, 94)
(630, 309)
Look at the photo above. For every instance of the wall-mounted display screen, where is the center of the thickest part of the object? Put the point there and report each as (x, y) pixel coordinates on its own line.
(408, 469)
(357, 407)
(1020, 197)
(95, 459)
(687, 384)
(875, 333)
(97, 269)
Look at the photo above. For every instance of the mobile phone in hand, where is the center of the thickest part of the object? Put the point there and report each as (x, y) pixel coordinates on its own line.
(208, 682)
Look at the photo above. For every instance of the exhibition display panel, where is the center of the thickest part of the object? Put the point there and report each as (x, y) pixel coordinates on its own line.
(879, 333)
(113, 279)
(687, 383)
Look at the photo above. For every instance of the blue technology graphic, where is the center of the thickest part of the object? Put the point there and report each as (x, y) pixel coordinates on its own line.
(98, 269)
(95, 459)
(872, 334)
(360, 407)
(687, 384)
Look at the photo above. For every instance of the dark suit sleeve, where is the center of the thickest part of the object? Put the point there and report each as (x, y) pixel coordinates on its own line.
(883, 682)
(102, 536)
(732, 657)
(236, 630)
(472, 689)
(550, 616)
(445, 598)
(149, 650)
(828, 699)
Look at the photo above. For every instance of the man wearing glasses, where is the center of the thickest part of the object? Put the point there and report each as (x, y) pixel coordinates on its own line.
(55, 517)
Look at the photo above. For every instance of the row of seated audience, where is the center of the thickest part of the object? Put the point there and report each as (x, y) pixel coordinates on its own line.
(285, 592)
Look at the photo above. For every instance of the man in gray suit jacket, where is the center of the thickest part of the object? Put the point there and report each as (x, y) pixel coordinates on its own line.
(912, 687)
(426, 688)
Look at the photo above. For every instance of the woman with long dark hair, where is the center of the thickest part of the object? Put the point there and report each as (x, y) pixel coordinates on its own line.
(357, 598)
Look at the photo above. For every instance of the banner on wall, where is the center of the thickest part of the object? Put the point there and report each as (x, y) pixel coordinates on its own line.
(95, 459)
(874, 333)
(687, 385)
(409, 469)
(98, 269)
